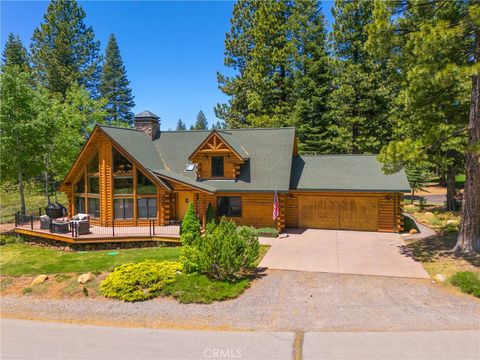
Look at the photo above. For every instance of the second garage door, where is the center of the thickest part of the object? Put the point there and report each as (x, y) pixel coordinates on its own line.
(335, 212)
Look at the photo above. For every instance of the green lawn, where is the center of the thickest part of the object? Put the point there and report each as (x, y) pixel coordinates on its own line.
(24, 259)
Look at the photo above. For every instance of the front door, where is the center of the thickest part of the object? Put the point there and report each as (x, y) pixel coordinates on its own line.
(184, 200)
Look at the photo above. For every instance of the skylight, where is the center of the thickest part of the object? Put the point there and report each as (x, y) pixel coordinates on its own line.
(190, 167)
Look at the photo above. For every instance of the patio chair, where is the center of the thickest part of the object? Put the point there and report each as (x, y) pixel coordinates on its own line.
(45, 222)
(82, 222)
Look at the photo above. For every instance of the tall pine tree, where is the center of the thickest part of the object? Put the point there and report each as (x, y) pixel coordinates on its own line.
(181, 125)
(115, 87)
(15, 54)
(362, 91)
(201, 123)
(311, 78)
(64, 49)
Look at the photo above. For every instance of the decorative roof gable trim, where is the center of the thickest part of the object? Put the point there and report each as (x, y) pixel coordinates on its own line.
(208, 138)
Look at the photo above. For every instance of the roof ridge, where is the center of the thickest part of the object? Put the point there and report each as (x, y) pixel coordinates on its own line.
(118, 127)
(351, 155)
(226, 130)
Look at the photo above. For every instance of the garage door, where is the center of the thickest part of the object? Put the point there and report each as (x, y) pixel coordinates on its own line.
(345, 213)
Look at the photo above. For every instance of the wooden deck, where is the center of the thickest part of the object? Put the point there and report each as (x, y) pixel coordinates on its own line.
(102, 234)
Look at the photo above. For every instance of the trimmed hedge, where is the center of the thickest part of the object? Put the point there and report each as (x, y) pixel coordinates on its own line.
(267, 232)
(139, 281)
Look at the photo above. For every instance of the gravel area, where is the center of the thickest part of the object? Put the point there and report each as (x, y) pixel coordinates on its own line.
(281, 301)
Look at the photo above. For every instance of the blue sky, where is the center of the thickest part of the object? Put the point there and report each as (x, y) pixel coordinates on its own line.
(172, 50)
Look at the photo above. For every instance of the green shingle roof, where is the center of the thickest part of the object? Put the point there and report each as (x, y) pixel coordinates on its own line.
(344, 173)
(270, 165)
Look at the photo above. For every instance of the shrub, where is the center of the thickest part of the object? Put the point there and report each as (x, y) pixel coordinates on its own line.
(190, 258)
(467, 281)
(224, 252)
(210, 216)
(191, 227)
(139, 281)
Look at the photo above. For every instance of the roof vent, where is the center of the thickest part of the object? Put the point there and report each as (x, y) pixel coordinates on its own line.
(148, 122)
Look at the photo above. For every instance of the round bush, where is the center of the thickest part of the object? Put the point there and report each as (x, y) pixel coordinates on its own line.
(139, 281)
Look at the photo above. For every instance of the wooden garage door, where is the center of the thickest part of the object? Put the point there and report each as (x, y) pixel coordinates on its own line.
(345, 213)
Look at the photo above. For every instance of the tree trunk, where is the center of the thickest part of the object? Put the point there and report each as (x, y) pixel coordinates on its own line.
(23, 208)
(442, 179)
(413, 195)
(47, 190)
(468, 240)
(451, 205)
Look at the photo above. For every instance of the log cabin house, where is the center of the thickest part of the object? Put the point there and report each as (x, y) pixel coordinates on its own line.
(134, 176)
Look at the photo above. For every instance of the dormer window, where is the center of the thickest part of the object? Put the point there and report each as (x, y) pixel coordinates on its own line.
(217, 166)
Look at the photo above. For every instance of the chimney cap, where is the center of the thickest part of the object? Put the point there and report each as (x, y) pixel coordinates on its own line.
(146, 115)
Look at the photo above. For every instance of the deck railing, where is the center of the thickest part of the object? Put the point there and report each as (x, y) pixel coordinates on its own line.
(116, 228)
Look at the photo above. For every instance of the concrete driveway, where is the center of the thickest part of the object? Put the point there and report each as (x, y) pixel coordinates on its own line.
(346, 252)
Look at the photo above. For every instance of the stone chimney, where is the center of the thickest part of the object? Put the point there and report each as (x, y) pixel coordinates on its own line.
(147, 122)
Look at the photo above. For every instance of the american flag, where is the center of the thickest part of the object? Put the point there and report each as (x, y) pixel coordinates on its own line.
(275, 206)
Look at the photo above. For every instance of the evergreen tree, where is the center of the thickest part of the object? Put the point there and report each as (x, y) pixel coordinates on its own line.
(418, 177)
(311, 84)
(433, 99)
(201, 123)
(114, 85)
(15, 53)
(219, 125)
(436, 48)
(64, 50)
(181, 125)
(238, 44)
(362, 91)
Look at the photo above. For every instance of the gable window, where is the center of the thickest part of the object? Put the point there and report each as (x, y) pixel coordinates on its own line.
(123, 185)
(121, 166)
(144, 185)
(80, 204)
(217, 166)
(230, 206)
(93, 185)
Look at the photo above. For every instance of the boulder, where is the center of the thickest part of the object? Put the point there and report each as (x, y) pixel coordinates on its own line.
(413, 231)
(84, 278)
(440, 277)
(40, 279)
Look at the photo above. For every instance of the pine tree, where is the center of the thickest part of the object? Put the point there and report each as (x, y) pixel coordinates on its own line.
(219, 125)
(238, 44)
(418, 177)
(64, 49)
(435, 46)
(433, 99)
(181, 125)
(311, 85)
(15, 54)
(201, 123)
(114, 85)
(362, 92)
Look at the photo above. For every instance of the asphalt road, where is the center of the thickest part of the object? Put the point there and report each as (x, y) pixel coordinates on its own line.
(22, 339)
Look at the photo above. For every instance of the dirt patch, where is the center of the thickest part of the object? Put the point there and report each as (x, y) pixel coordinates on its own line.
(60, 286)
